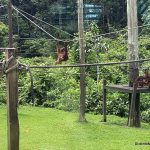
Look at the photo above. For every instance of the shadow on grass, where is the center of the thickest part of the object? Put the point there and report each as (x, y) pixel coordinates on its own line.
(115, 123)
(114, 120)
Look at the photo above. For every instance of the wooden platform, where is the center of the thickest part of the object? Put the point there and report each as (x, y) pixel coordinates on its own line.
(134, 100)
(126, 89)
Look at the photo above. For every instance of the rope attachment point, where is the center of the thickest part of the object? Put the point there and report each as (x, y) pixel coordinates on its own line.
(5, 66)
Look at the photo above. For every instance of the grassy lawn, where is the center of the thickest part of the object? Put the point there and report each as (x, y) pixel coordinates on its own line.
(50, 129)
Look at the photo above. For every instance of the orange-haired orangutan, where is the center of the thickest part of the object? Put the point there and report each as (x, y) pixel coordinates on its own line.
(62, 53)
(142, 81)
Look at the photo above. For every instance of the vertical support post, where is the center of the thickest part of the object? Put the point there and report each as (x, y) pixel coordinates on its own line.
(134, 119)
(104, 101)
(132, 51)
(129, 106)
(82, 61)
(137, 110)
(132, 108)
(12, 91)
(132, 39)
(12, 100)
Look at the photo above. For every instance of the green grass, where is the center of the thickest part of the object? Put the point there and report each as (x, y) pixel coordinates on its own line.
(51, 129)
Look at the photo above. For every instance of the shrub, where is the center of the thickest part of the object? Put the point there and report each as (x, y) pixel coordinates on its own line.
(146, 115)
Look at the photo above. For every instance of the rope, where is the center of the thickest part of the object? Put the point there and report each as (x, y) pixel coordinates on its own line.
(5, 65)
(43, 21)
(90, 65)
(120, 30)
(17, 9)
(38, 26)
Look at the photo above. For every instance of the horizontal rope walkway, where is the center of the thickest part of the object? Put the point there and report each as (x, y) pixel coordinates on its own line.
(91, 65)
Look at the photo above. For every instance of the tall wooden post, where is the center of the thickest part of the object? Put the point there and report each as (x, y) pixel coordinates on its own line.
(133, 55)
(104, 101)
(82, 61)
(12, 91)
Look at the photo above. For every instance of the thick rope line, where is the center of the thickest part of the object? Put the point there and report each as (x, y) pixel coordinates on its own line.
(38, 26)
(91, 65)
(43, 21)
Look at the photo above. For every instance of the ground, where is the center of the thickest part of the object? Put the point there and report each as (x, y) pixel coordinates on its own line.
(51, 129)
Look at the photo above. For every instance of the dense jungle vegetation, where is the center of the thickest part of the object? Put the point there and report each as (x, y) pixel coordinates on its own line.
(59, 88)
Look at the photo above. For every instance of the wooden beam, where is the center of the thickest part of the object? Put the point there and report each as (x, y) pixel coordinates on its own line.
(133, 55)
(12, 101)
(127, 89)
(12, 91)
(134, 119)
(82, 61)
(132, 39)
(104, 101)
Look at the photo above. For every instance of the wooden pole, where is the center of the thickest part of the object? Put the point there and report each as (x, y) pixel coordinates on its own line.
(133, 55)
(132, 39)
(82, 61)
(104, 101)
(12, 92)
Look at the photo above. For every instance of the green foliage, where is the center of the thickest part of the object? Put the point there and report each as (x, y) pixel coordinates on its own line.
(117, 104)
(2, 90)
(93, 96)
(3, 33)
(146, 115)
(52, 88)
(38, 47)
(146, 20)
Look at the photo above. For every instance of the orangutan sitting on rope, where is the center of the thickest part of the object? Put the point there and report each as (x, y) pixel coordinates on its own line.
(62, 54)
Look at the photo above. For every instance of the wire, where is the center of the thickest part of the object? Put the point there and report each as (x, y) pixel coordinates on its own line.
(120, 31)
(43, 54)
(44, 22)
(38, 26)
(47, 39)
(91, 65)
(73, 36)
(100, 35)
(17, 9)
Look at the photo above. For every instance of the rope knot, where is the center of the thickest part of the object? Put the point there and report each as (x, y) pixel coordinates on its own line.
(5, 65)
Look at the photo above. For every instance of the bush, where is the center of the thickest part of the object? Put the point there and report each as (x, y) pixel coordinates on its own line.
(117, 104)
(146, 115)
(3, 34)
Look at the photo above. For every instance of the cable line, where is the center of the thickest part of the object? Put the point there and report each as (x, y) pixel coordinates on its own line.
(43, 21)
(38, 26)
(91, 65)
(65, 40)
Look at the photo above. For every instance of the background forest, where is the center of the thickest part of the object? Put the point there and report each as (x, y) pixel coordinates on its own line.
(105, 41)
